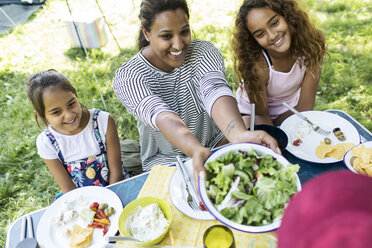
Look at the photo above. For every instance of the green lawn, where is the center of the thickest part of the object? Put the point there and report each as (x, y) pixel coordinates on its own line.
(43, 43)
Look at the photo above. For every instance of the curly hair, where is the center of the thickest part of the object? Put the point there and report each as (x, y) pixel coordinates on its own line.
(306, 40)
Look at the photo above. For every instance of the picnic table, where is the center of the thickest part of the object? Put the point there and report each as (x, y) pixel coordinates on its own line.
(129, 189)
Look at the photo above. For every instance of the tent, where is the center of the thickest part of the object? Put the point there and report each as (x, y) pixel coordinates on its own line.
(14, 12)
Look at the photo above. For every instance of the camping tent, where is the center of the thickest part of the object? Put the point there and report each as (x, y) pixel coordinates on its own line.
(14, 12)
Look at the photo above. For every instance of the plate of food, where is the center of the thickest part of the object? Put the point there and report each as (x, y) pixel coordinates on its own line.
(80, 218)
(359, 159)
(247, 186)
(309, 145)
(178, 194)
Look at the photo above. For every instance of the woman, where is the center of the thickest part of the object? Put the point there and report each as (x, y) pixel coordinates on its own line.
(176, 89)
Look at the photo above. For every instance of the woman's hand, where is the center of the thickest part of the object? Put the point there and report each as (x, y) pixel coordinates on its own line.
(198, 159)
(259, 137)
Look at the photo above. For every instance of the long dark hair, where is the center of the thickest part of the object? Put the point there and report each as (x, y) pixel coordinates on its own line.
(39, 83)
(148, 11)
(306, 40)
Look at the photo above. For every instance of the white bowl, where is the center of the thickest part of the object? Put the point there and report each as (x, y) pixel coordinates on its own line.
(347, 157)
(261, 150)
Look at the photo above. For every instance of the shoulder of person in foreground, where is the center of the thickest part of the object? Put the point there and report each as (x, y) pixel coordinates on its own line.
(332, 210)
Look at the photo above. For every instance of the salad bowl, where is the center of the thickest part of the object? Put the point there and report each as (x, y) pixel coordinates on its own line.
(252, 200)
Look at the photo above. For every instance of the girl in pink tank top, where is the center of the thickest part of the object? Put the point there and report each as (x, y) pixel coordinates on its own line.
(278, 58)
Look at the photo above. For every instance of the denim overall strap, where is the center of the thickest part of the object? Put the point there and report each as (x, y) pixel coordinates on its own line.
(96, 131)
(55, 144)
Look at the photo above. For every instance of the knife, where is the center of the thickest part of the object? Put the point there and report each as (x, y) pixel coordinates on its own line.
(180, 165)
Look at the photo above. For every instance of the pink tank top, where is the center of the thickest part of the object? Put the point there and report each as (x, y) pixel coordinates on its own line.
(281, 87)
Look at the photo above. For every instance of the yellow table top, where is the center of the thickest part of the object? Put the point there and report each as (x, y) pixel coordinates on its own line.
(185, 231)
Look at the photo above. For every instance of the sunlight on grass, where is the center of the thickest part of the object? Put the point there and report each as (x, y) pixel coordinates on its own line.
(43, 42)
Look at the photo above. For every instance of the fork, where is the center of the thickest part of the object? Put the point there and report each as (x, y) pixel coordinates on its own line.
(191, 201)
(316, 128)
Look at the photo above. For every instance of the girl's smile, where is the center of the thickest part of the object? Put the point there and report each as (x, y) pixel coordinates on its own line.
(63, 111)
(279, 42)
(72, 121)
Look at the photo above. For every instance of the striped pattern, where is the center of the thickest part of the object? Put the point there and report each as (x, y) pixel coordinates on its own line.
(93, 34)
(188, 91)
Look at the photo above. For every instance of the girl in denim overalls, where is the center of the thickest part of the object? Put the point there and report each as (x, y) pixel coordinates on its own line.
(80, 146)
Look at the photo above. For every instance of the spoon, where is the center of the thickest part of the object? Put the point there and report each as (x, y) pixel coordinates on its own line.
(29, 242)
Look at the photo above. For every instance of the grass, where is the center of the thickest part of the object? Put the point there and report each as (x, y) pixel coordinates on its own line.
(43, 43)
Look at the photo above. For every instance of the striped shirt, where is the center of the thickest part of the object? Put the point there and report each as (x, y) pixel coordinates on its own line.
(188, 91)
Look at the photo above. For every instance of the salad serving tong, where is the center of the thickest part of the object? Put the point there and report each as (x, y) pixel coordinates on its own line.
(193, 203)
(316, 128)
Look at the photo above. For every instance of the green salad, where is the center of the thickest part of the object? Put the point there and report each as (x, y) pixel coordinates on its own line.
(250, 189)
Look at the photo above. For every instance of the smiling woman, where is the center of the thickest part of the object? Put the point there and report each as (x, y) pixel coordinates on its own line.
(176, 89)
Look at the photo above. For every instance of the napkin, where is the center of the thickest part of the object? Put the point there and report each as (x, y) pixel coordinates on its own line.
(186, 231)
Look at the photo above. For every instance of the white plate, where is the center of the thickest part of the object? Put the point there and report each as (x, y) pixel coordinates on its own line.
(347, 157)
(50, 235)
(178, 194)
(327, 121)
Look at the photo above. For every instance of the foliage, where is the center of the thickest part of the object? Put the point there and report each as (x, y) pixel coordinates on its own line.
(43, 43)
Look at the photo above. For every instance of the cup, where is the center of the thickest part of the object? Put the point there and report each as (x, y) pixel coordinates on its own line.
(218, 236)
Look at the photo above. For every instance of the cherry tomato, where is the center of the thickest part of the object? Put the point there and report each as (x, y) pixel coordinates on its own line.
(94, 206)
(201, 205)
(96, 224)
(100, 214)
(297, 142)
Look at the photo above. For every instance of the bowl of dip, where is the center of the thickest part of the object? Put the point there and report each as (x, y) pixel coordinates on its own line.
(147, 219)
